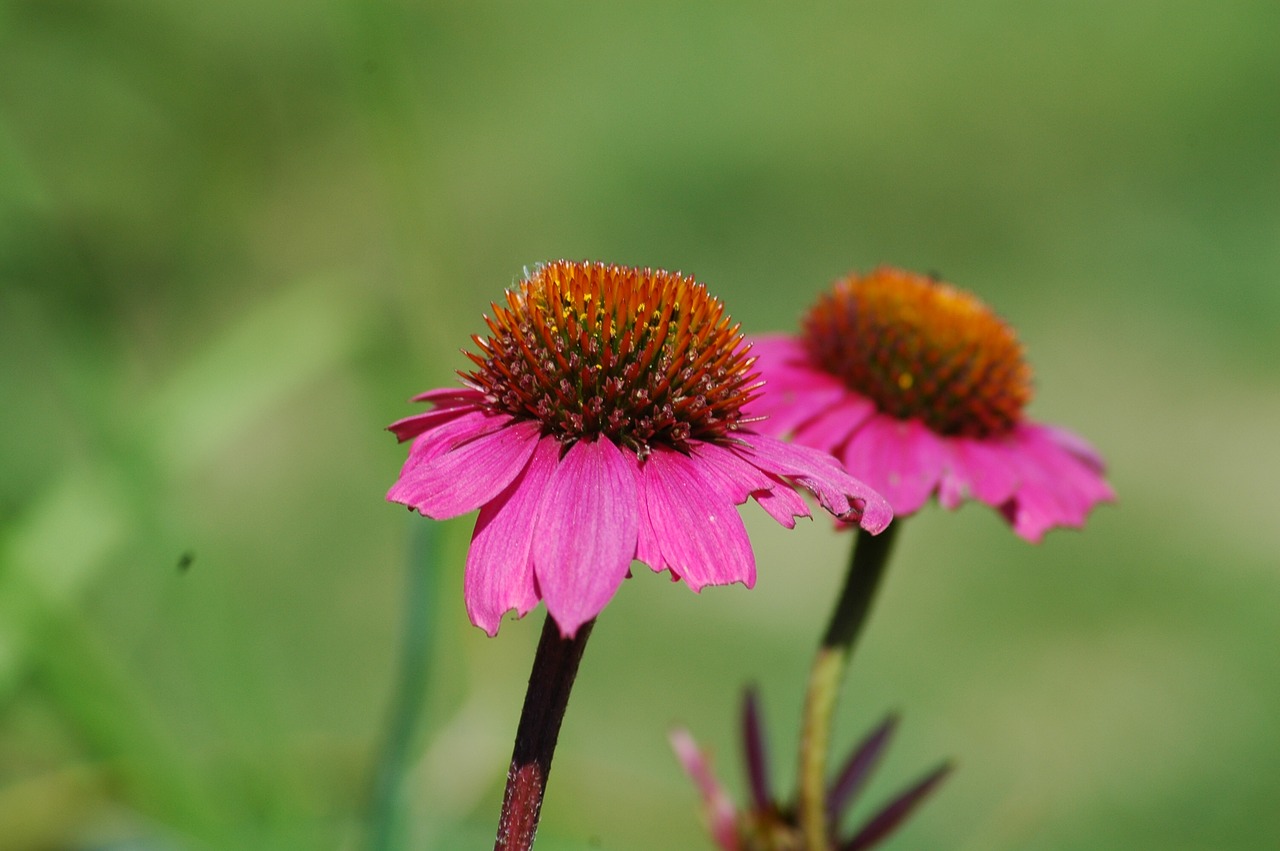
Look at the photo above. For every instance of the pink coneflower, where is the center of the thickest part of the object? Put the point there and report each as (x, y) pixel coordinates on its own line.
(603, 422)
(919, 388)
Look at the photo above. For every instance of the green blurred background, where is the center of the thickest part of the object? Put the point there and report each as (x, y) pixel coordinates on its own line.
(236, 236)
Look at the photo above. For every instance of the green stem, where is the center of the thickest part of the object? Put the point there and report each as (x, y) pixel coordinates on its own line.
(555, 665)
(386, 797)
(870, 556)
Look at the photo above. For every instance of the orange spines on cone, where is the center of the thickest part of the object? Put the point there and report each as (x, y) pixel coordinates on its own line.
(638, 355)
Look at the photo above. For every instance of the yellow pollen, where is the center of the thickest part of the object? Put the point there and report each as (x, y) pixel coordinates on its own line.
(577, 348)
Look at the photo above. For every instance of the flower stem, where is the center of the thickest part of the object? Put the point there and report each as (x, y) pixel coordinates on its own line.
(554, 667)
(386, 799)
(870, 555)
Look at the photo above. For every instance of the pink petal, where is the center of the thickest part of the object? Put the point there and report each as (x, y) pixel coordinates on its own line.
(434, 442)
(732, 477)
(785, 407)
(980, 469)
(820, 474)
(587, 529)
(737, 479)
(902, 459)
(499, 568)
(1057, 488)
(449, 397)
(699, 531)
(648, 545)
(829, 430)
(721, 816)
(648, 548)
(777, 349)
(443, 484)
(411, 427)
(445, 436)
(783, 503)
(1080, 479)
(795, 390)
(1075, 444)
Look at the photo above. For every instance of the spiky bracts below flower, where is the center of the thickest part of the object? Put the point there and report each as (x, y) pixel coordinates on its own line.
(603, 423)
(767, 824)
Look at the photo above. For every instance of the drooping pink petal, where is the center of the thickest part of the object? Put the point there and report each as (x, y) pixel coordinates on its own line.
(411, 427)
(732, 477)
(499, 573)
(980, 469)
(439, 439)
(794, 391)
(738, 479)
(648, 548)
(466, 476)
(782, 409)
(829, 430)
(1080, 476)
(698, 528)
(1056, 488)
(449, 397)
(820, 474)
(782, 503)
(1073, 443)
(721, 816)
(469, 425)
(902, 459)
(586, 534)
(777, 350)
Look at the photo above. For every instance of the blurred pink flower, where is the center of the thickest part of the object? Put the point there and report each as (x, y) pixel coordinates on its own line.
(919, 388)
(603, 423)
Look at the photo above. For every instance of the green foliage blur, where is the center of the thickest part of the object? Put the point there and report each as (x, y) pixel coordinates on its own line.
(235, 237)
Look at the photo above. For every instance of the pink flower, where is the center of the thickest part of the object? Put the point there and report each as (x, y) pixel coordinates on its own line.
(919, 388)
(603, 423)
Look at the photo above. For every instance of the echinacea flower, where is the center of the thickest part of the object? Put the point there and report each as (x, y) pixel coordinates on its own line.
(767, 824)
(920, 389)
(603, 422)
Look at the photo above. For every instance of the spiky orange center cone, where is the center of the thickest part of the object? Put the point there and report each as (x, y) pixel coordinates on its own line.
(920, 348)
(641, 356)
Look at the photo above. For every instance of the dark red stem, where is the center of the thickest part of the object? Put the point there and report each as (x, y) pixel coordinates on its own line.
(555, 665)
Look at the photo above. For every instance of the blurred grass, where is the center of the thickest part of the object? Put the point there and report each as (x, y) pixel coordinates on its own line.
(235, 237)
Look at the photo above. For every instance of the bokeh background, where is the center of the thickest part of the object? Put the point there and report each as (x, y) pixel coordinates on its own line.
(235, 237)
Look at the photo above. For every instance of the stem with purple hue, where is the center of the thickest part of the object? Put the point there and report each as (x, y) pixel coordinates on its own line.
(870, 555)
(555, 665)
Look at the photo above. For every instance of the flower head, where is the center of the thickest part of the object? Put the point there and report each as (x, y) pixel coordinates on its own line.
(603, 422)
(921, 389)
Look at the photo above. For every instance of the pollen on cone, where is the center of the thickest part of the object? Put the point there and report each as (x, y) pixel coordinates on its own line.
(641, 356)
(921, 348)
